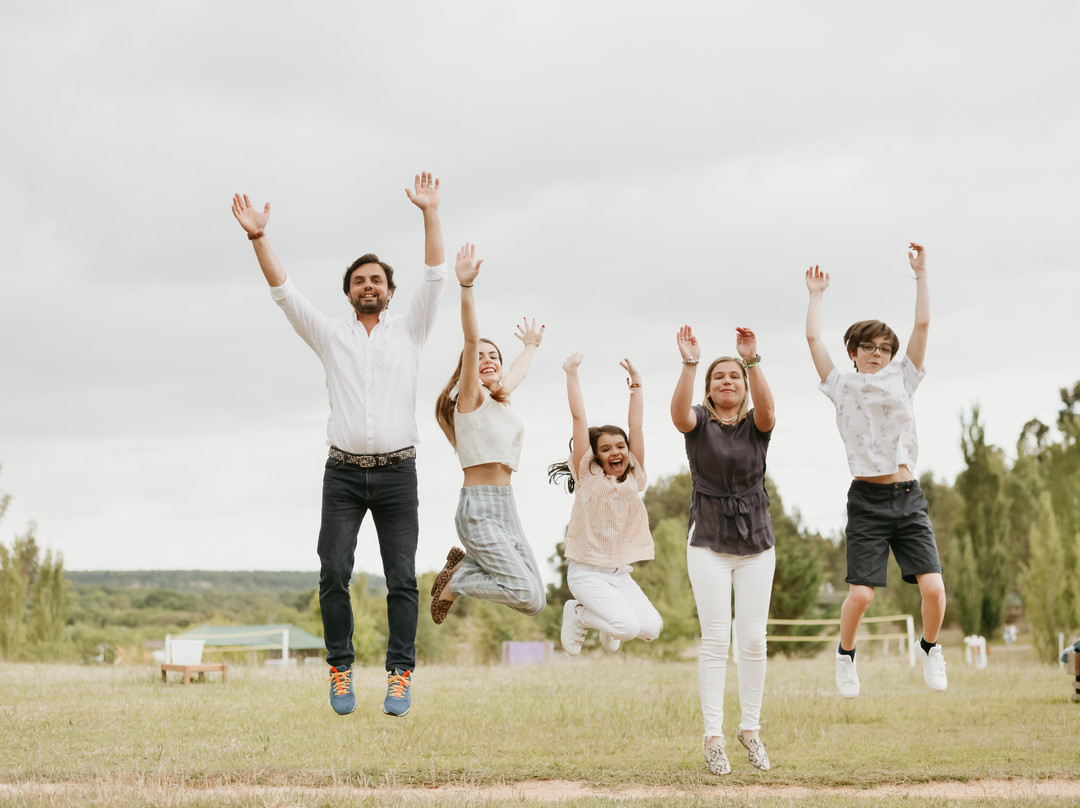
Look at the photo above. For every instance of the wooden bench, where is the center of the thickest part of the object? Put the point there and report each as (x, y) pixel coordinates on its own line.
(201, 669)
(1072, 667)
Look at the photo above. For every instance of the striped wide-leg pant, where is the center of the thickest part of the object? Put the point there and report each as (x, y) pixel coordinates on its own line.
(499, 563)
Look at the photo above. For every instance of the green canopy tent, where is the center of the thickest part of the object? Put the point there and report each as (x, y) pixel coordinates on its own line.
(283, 637)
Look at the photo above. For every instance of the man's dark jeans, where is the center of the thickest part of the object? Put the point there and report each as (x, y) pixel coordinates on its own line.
(389, 492)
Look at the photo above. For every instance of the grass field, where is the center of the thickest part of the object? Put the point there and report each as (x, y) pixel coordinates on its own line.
(596, 730)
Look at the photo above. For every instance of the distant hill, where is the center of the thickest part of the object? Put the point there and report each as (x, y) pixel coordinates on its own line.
(196, 580)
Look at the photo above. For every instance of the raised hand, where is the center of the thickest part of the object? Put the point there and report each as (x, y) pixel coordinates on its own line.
(251, 218)
(745, 343)
(816, 280)
(572, 362)
(425, 193)
(917, 258)
(688, 344)
(635, 377)
(529, 333)
(467, 266)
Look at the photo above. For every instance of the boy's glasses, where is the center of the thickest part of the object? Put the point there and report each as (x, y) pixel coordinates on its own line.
(869, 347)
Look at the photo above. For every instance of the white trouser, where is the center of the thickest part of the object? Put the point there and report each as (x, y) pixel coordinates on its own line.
(613, 602)
(713, 576)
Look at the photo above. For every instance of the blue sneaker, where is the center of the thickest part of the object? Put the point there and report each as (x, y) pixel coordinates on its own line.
(398, 693)
(342, 697)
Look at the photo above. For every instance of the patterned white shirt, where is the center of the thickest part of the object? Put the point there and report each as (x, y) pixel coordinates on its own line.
(876, 417)
(370, 378)
(609, 526)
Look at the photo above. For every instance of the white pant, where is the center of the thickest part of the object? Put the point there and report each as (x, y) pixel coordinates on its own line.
(613, 602)
(713, 576)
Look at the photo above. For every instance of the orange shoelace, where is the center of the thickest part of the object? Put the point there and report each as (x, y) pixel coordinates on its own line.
(340, 681)
(397, 683)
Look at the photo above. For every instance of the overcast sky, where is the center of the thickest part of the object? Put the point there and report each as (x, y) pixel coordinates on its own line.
(624, 168)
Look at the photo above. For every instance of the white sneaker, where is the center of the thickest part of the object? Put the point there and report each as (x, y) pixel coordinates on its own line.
(609, 642)
(847, 678)
(573, 630)
(933, 668)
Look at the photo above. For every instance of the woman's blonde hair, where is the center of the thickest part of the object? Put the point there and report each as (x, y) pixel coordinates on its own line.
(446, 403)
(707, 402)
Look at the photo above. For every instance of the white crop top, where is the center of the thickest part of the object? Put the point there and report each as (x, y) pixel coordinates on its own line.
(492, 433)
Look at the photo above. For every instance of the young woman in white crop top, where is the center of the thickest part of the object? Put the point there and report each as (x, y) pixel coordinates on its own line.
(497, 563)
(609, 526)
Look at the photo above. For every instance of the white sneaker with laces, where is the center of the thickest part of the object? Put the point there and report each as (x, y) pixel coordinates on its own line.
(847, 678)
(933, 668)
(609, 643)
(573, 630)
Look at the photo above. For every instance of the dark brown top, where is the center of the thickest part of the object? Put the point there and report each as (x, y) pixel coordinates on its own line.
(729, 506)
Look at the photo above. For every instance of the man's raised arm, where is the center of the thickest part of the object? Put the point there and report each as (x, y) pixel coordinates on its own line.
(254, 223)
(425, 195)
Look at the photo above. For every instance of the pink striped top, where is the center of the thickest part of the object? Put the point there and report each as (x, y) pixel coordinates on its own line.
(609, 526)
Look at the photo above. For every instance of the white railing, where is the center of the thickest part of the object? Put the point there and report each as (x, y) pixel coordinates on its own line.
(908, 635)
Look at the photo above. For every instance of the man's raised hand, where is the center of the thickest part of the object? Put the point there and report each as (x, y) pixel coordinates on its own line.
(425, 193)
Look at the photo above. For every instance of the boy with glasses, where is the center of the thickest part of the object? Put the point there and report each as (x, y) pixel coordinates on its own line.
(886, 506)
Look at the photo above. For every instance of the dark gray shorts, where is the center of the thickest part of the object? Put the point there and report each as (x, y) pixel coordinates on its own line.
(884, 515)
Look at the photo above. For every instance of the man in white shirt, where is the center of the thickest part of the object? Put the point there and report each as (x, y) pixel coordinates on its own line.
(371, 361)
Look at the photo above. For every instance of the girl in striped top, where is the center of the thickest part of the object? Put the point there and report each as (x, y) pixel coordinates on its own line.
(609, 527)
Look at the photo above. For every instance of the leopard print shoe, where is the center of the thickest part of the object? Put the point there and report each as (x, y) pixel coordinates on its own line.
(440, 608)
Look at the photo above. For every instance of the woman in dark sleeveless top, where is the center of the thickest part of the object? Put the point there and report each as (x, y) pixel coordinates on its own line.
(730, 542)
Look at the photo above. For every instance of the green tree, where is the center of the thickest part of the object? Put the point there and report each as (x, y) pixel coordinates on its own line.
(369, 621)
(668, 497)
(666, 582)
(797, 581)
(963, 586)
(982, 519)
(13, 591)
(48, 613)
(1046, 605)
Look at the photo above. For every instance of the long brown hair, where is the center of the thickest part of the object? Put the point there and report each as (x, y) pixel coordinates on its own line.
(707, 402)
(445, 405)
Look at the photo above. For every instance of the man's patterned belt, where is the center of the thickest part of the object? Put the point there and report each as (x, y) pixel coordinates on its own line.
(370, 461)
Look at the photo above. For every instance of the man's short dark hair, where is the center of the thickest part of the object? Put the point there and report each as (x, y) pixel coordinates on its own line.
(368, 258)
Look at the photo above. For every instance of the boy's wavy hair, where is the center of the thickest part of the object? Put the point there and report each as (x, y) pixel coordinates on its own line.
(865, 331)
(446, 403)
(559, 473)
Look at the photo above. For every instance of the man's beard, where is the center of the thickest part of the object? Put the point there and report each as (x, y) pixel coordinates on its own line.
(374, 306)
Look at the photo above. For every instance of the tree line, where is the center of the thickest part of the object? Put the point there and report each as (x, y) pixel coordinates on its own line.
(1008, 533)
